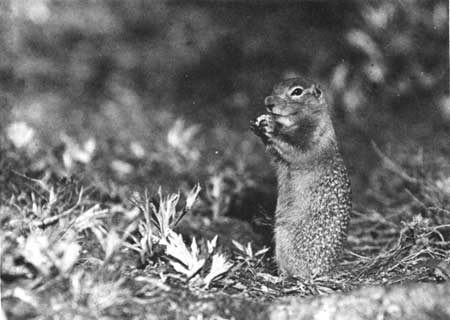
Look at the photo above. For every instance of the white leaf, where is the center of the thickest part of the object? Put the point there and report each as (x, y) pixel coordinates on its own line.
(192, 196)
(262, 251)
(238, 245)
(211, 244)
(194, 248)
(249, 250)
(219, 266)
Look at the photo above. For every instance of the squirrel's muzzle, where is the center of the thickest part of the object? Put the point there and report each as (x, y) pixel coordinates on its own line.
(273, 101)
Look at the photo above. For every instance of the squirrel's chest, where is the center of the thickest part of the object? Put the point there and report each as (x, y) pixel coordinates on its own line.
(304, 194)
(296, 190)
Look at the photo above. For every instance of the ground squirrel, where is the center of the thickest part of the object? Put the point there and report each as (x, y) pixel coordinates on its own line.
(314, 196)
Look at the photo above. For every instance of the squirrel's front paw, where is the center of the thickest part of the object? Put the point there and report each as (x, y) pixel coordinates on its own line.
(264, 123)
(263, 126)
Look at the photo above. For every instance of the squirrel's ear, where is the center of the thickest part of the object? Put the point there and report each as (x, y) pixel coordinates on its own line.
(316, 91)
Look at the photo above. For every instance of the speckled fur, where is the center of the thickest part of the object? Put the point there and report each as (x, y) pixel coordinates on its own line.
(314, 195)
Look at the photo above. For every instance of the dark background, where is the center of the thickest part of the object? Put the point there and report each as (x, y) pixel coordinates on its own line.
(124, 72)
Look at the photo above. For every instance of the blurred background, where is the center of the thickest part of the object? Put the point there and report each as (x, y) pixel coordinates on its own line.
(146, 93)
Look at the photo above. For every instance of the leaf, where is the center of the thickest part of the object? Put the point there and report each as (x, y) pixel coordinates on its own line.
(188, 272)
(194, 248)
(186, 262)
(219, 266)
(178, 250)
(238, 245)
(211, 244)
(262, 251)
(249, 250)
(192, 196)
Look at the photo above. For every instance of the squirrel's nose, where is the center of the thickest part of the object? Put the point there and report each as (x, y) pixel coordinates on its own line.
(272, 101)
(268, 101)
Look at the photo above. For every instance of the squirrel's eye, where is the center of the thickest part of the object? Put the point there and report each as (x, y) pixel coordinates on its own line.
(297, 92)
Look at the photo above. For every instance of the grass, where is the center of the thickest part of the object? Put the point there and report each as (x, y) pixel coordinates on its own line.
(96, 247)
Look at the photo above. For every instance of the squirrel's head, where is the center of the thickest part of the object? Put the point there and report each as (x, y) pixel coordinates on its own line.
(296, 96)
(299, 105)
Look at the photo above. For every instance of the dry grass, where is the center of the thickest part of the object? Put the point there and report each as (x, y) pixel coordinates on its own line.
(69, 246)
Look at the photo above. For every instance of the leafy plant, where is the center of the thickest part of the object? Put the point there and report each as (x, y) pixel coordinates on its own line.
(185, 261)
(219, 266)
(246, 252)
(159, 219)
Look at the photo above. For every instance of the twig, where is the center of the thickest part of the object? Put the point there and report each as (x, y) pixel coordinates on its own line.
(393, 167)
(52, 220)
